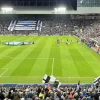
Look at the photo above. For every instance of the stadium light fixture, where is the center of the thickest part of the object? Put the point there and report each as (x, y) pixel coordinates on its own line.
(6, 9)
(60, 9)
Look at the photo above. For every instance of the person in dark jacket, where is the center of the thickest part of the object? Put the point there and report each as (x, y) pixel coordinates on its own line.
(2, 97)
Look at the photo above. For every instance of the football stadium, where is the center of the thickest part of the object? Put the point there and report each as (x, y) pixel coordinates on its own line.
(50, 50)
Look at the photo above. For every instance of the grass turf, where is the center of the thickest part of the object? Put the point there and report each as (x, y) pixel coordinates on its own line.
(29, 63)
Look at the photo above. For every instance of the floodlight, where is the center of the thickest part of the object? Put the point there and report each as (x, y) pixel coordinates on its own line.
(60, 9)
(6, 9)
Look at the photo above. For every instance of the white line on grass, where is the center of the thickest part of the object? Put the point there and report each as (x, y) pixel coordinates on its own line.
(52, 66)
(6, 69)
(25, 58)
(23, 76)
(88, 51)
(52, 71)
(91, 54)
(56, 77)
(39, 83)
(75, 77)
(7, 57)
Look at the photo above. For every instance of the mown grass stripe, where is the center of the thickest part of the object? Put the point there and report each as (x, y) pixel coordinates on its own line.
(4, 60)
(6, 47)
(68, 66)
(93, 62)
(16, 62)
(82, 66)
(22, 68)
(55, 53)
(41, 64)
(6, 52)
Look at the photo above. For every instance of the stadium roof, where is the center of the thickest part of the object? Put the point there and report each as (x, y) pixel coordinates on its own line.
(80, 3)
(41, 3)
(88, 3)
(48, 6)
(35, 2)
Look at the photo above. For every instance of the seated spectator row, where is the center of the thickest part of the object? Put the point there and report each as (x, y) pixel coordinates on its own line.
(49, 93)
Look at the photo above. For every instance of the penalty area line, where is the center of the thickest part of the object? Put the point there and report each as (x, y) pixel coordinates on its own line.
(6, 69)
(76, 77)
(52, 66)
(23, 58)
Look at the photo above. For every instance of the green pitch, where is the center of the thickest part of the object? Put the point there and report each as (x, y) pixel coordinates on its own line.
(28, 64)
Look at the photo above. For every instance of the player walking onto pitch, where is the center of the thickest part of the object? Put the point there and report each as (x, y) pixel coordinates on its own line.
(67, 42)
(58, 42)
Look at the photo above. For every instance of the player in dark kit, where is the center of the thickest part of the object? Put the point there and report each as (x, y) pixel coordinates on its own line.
(67, 42)
(58, 42)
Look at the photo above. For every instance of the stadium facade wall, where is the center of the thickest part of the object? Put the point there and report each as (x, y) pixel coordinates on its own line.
(30, 10)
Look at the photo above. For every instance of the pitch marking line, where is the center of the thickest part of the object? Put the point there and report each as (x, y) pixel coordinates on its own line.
(52, 66)
(38, 83)
(24, 58)
(76, 77)
(6, 69)
(57, 77)
(91, 54)
(88, 51)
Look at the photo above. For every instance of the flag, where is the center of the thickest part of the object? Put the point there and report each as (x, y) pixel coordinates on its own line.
(57, 84)
(78, 86)
(96, 81)
(52, 79)
(25, 25)
(47, 79)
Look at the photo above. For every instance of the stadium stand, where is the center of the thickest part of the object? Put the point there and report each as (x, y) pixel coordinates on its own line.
(85, 27)
(49, 93)
(51, 26)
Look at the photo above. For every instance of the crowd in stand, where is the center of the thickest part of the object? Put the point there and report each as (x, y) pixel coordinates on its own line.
(54, 25)
(84, 28)
(49, 93)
